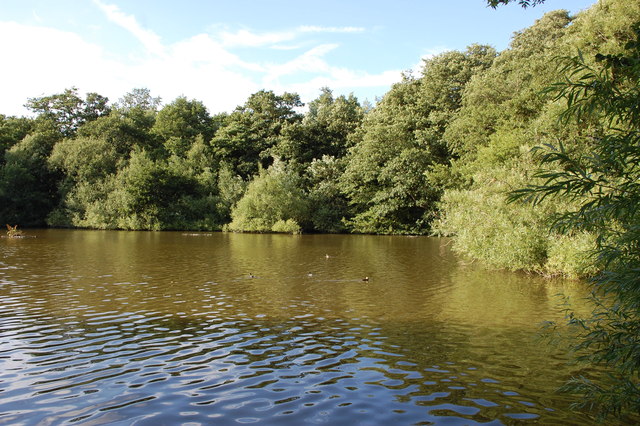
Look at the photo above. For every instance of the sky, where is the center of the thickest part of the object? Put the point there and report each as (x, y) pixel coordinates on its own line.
(220, 52)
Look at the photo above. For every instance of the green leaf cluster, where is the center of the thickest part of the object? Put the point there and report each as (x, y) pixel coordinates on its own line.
(604, 184)
(388, 175)
(508, 110)
(274, 202)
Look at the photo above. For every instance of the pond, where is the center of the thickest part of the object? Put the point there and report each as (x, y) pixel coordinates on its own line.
(156, 328)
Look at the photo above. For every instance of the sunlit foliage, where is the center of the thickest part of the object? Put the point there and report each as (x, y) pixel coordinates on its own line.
(273, 202)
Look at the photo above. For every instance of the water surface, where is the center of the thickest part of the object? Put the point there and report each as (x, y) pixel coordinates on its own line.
(167, 328)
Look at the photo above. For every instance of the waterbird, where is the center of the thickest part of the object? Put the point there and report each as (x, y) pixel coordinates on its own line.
(365, 279)
(309, 274)
(251, 275)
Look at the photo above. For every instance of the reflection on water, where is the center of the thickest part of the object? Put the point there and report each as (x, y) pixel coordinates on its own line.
(167, 328)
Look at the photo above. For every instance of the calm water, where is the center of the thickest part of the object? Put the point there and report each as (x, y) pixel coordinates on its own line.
(168, 328)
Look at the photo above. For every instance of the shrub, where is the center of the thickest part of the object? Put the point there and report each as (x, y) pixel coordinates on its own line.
(275, 195)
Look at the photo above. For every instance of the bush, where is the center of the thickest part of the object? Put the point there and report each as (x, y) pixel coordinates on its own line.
(288, 226)
(274, 196)
(512, 236)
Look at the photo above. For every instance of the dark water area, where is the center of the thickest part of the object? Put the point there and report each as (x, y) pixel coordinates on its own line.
(171, 328)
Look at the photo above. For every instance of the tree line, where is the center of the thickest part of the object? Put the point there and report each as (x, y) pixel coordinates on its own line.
(438, 153)
(267, 166)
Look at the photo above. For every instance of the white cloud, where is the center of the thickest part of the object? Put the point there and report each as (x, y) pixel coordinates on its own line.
(246, 38)
(41, 61)
(310, 61)
(149, 39)
(36, 17)
(340, 79)
(202, 49)
(286, 46)
(326, 75)
(344, 80)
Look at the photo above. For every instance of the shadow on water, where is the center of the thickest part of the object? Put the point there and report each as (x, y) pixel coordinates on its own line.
(166, 328)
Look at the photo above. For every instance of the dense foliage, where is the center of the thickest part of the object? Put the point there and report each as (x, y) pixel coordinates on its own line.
(605, 185)
(595, 172)
(504, 115)
(438, 153)
(388, 174)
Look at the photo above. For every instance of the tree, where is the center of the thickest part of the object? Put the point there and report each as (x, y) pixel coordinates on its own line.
(68, 110)
(124, 130)
(502, 116)
(85, 159)
(605, 184)
(150, 194)
(180, 122)
(231, 188)
(324, 130)
(274, 202)
(139, 98)
(388, 177)
(245, 139)
(12, 131)
(27, 186)
(86, 164)
(509, 91)
(331, 206)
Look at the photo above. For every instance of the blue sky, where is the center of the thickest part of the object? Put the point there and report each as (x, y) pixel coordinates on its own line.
(220, 52)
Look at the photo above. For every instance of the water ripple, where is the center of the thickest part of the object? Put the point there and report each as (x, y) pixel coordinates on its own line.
(214, 347)
(237, 370)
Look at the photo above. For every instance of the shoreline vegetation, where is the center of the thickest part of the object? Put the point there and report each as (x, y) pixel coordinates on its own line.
(437, 155)
(527, 158)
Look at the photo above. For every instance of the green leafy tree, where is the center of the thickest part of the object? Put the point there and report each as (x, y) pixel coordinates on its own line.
(131, 123)
(12, 131)
(27, 186)
(85, 164)
(140, 192)
(68, 110)
(504, 235)
(180, 122)
(605, 185)
(330, 206)
(324, 130)
(505, 114)
(85, 159)
(274, 202)
(231, 188)
(508, 93)
(248, 134)
(89, 162)
(388, 176)
(140, 99)
(124, 130)
(150, 194)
